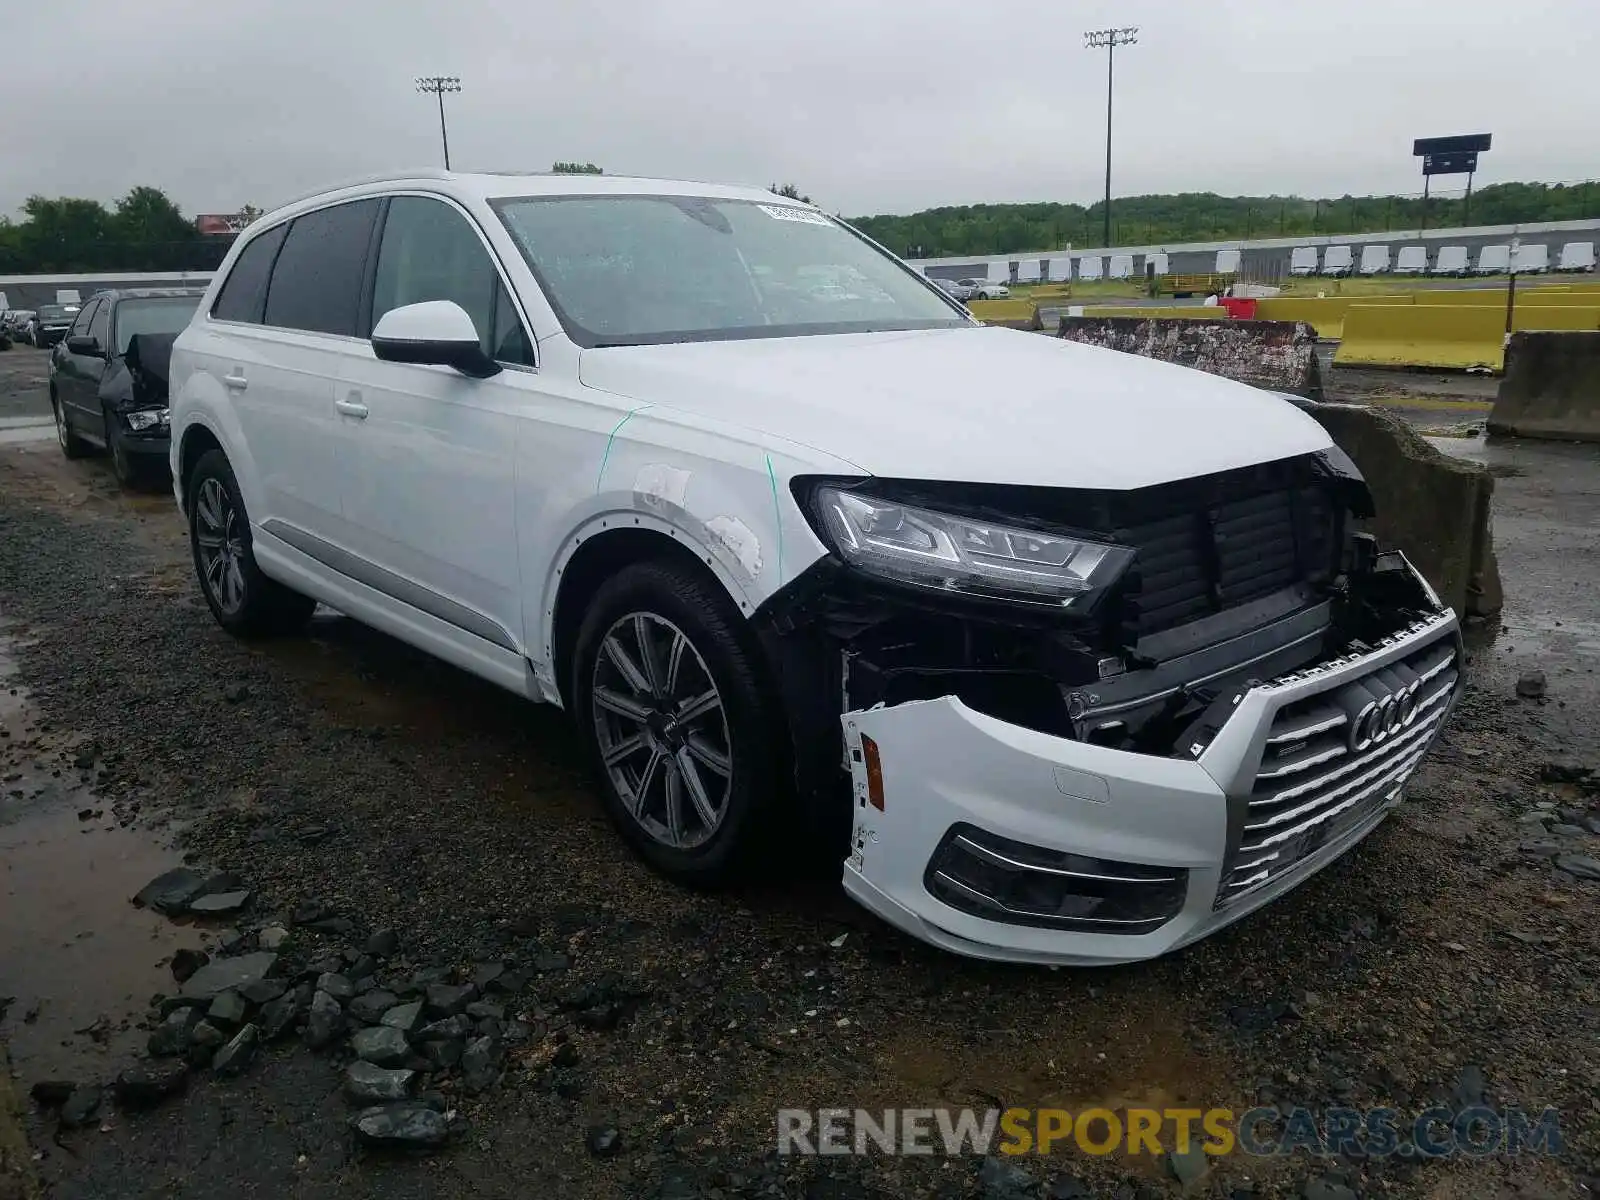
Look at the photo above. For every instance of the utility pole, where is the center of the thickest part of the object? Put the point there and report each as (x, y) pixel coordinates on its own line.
(438, 85)
(1109, 40)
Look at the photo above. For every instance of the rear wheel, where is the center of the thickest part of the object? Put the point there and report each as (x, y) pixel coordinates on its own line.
(244, 601)
(666, 695)
(72, 446)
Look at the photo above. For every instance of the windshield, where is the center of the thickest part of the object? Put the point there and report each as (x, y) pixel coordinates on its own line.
(57, 312)
(641, 270)
(166, 314)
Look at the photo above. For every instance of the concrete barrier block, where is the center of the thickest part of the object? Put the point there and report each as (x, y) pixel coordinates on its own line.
(1459, 337)
(1012, 314)
(1433, 507)
(1278, 355)
(1551, 388)
(1325, 314)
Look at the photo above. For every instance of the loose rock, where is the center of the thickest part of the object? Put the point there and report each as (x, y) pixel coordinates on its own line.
(383, 944)
(238, 1054)
(186, 962)
(221, 904)
(81, 1107)
(381, 1045)
(325, 1022)
(171, 891)
(171, 1038)
(446, 1000)
(604, 1141)
(272, 937)
(1581, 865)
(406, 1125)
(279, 1014)
(370, 1006)
(368, 1084)
(337, 986)
(228, 1007)
(480, 1064)
(404, 1017)
(227, 973)
(1531, 685)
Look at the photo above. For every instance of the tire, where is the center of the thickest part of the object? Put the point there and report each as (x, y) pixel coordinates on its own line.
(72, 446)
(122, 464)
(244, 601)
(716, 659)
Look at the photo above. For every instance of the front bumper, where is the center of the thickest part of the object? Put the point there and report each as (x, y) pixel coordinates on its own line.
(1285, 785)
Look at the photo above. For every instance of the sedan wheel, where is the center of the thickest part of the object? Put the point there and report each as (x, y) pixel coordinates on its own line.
(662, 730)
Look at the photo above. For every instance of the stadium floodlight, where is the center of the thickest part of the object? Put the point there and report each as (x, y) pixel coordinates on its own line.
(1109, 40)
(438, 85)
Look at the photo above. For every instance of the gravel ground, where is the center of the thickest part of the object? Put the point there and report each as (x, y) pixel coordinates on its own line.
(1435, 963)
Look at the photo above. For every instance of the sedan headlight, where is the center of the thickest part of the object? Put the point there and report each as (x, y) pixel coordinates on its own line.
(959, 554)
(148, 419)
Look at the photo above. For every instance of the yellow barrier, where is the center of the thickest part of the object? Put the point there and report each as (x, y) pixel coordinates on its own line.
(1543, 317)
(1461, 337)
(1014, 314)
(1325, 314)
(1192, 312)
(1496, 296)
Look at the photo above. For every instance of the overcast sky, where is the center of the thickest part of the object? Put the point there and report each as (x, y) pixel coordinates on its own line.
(869, 105)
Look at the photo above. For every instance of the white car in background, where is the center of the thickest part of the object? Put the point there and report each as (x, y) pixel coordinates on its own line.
(982, 289)
(1077, 678)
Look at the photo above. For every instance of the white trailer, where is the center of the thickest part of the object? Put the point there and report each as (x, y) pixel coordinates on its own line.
(1338, 261)
(1028, 271)
(1122, 266)
(1575, 256)
(1452, 260)
(1531, 258)
(1060, 268)
(1494, 260)
(1303, 261)
(1159, 260)
(1374, 260)
(1228, 262)
(1412, 260)
(1091, 267)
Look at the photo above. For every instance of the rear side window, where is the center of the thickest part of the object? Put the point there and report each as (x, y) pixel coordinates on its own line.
(316, 284)
(81, 325)
(244, 293)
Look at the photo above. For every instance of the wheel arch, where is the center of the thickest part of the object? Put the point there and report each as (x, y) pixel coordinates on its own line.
(197, 440)
(597, 551)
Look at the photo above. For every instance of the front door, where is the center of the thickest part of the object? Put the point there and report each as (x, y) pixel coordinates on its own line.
(429, 479)
(78, 375)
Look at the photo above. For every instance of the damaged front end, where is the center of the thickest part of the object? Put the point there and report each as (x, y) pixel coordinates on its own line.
(1100, 725)
(135, 391)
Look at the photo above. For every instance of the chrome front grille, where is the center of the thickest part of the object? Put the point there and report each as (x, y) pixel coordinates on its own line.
(1333, 760)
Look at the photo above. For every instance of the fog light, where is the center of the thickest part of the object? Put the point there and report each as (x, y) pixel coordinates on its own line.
(999, 879)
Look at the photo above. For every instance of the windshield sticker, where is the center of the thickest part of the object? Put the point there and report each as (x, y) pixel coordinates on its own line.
(782, 212)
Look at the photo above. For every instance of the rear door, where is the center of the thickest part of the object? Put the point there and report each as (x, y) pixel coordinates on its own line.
(277, 339)
(429, 482)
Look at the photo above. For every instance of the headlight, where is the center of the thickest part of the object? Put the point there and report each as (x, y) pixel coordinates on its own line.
(150, 418)
(958, 554)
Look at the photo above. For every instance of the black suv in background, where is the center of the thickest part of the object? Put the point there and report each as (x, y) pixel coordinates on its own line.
(51, 322)
(108, 377)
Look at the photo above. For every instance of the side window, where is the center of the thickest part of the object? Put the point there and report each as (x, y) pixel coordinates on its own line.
(85, 314)
(316, 284)
(244, 293)
(430, 251)
(100, 324)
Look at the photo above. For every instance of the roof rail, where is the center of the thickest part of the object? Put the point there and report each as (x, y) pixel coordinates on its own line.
(380, 177)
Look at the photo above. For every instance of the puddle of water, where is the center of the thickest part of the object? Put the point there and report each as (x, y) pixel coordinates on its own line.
(78, 961)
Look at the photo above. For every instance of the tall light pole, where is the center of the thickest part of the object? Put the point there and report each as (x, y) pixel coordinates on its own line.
(438, 85)
(1109, 40)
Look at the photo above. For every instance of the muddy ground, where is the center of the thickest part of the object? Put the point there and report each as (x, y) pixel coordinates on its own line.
(1436, 963)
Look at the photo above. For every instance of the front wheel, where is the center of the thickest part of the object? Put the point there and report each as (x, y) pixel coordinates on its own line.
(72, 446)
(244, 601)
(667, 697)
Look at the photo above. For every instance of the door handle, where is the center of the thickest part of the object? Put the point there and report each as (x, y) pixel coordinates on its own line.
(235, 382)
(352, 408)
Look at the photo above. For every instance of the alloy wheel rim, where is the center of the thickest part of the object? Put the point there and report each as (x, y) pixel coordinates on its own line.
(221, 544)
(662, 730)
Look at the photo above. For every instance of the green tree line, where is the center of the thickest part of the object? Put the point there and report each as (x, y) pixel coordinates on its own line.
(143, 231)
(1205, 217)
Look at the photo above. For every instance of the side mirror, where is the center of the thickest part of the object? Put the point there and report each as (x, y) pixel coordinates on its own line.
(85, 345)
(437, 332)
